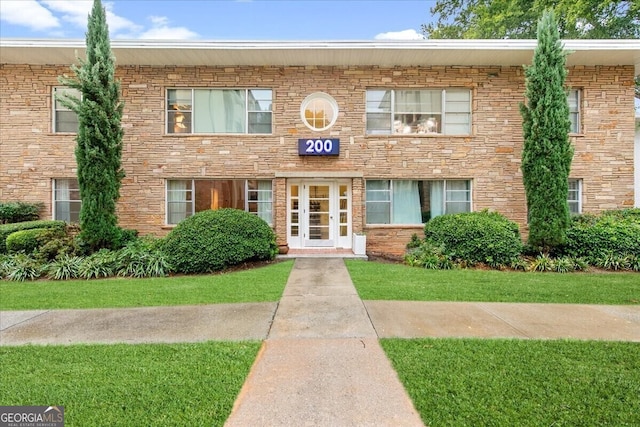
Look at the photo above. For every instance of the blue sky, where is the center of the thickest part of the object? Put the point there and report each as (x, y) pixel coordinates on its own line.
(220, 19)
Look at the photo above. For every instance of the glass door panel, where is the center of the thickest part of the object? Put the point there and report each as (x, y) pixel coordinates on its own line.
(319, 230)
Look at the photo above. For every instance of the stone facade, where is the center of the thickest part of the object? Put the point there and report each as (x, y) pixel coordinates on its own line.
(32, 155)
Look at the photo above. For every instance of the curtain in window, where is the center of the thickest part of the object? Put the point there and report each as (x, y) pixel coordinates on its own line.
(436, 196)
(219, 111)
(177, 203)
(264, 201)
(406, 203)
(418, 101)
(63, 197)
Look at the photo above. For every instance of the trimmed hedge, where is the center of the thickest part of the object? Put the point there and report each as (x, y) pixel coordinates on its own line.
(214, 240)
(7, 229)
(11, 212)
(485, 237)
(27, 241)
(597, 236)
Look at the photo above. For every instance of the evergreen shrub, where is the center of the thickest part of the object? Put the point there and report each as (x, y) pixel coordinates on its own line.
(216, 239)
(27, 241)
(476, 237)
(7, 229)
(597, 237)
(11, 212)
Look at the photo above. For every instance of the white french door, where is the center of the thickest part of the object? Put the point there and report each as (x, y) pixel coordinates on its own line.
(319, 214)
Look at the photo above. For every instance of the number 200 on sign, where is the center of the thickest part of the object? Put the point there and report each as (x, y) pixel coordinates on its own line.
(311, 147)
(319, 146)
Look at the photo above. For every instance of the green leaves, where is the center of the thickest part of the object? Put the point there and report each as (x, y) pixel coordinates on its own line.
(547, 151)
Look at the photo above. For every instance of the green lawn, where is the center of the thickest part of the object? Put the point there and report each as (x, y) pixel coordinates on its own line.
(471, 382)
(125, 385)
(253, 285)
(384, 281)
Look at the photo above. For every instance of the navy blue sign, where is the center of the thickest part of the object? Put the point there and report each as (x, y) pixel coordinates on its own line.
(319, 147)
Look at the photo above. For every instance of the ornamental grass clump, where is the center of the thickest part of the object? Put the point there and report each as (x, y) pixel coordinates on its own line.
(213, 240)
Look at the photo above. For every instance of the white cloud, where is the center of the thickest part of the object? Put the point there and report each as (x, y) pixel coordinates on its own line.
(400, 35)
(76, 12)
(160, 29)
(28, 13)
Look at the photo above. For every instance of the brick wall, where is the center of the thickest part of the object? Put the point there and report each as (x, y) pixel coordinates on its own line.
(32, 155)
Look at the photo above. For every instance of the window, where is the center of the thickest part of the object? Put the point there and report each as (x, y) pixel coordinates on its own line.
(64, 120)
(575, 196)
(319, 111)
(415, 202)
(66, 200)
(574, 110)
(419, 112)
(227, 111)
(186, 196)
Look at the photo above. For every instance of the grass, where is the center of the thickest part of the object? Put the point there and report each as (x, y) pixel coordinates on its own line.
(384, 281)
(124, 385)
(469, 382)
(252, 285)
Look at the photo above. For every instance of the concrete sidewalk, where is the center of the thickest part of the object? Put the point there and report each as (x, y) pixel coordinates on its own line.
(320, 363)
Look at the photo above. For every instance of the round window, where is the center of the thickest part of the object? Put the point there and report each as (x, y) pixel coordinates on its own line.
(319, 111)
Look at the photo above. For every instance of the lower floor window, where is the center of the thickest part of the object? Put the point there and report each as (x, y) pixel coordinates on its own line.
(574, 198)
(66, 200)
(415, 202)
(186, 197)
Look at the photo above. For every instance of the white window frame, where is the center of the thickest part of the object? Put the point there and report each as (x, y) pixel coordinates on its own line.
(446, 199)
(426, 126)
(191, 112)
(262, 197)
(55, 201)
(576, 125)
(577, 200)
(60, 108)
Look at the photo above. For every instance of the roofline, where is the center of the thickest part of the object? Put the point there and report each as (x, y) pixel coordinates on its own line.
(611, 51)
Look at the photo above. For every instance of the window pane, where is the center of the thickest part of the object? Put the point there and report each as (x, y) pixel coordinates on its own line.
(378, 123)
(378, 101)
(458, 196)
(219, 111)
(260, 123)
(418, 101)
(573, 98)
(573, 197)
(179, 200)
(67, 202)
(378, 202)
(66, 121)
(259, 100)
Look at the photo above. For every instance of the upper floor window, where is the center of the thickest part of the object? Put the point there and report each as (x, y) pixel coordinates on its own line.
(415, 202)
(574, 198)
(574, 110)
(231, 111)
(66, 200)
(319, 111)
(418, 112)
(64, 120)
(188, 196)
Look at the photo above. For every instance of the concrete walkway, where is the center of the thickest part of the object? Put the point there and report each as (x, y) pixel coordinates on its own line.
(321, 364)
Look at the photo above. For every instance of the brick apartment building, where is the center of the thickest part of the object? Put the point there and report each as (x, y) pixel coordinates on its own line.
(323, 140)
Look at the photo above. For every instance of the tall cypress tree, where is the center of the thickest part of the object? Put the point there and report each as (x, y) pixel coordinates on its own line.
(99, 141)
(547, 151)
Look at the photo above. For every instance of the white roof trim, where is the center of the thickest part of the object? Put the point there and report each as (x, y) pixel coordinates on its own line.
(320, 53)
